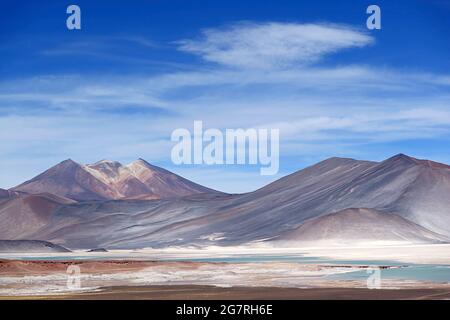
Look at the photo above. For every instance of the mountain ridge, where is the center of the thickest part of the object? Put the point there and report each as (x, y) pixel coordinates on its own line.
(110, 180)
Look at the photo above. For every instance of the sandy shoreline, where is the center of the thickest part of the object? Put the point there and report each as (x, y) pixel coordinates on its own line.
(419, 254)
(406, 253)
(196, 292)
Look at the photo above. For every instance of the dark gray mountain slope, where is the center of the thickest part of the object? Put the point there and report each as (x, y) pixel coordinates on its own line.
(355, 226)
(29, 246)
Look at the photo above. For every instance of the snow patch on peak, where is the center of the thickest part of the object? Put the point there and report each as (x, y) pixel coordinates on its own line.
(108, 172)
(105, 162)
(141, 170)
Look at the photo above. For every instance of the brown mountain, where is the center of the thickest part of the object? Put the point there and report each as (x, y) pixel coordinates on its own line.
(106, 180)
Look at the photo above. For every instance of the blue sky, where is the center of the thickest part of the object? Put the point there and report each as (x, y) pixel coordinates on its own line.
(117, 88)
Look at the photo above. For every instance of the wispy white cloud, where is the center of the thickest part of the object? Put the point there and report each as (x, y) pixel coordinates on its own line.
(320, 110)
(91, 45)
(273, 45)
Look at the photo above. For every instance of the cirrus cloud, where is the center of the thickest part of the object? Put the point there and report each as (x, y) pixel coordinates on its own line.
(273, 45)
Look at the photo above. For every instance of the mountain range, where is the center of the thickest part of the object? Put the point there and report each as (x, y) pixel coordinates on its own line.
(338, 200)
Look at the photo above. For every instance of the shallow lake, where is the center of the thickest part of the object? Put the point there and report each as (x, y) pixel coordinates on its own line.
(418, 272)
